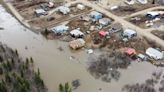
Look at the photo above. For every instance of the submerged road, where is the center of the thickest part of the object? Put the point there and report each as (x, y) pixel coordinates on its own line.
(126, 24)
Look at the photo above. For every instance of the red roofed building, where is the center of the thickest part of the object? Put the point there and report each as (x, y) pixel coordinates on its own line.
(130, 51)
(102, 33)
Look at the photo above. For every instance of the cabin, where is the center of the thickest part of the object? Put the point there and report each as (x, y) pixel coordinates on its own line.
(77, 44)
(76, 33)
(130, 51)
(143, 1)
(80, 6)
(40, 12)
(95, 15)
(64, 9)
(105, 21)
(129, 33)
(129, 2)
(60, 29)
(154, 53)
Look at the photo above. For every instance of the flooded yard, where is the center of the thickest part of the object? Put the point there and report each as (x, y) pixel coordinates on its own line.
(56, 66)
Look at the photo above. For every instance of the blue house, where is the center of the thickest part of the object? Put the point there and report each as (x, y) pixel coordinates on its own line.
(60, 29)
(96, 15)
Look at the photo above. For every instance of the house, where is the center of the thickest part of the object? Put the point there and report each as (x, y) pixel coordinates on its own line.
(60, 29)
(105, 21)
(129, 33)
(77, 33)
(80, 6)
(116, 27)
(96, 15)
(153, 14)
(143, 1)
(103, 33)
(64, 9)
(130, 51)
(154, 53)
(40, 12)
(130, 2)
(77, 44)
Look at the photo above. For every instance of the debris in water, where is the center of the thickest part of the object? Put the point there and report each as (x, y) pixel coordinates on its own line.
(72, 57)
(76, 83)
(26, 47)
(90, 51)
(60, 48)
(1, 28)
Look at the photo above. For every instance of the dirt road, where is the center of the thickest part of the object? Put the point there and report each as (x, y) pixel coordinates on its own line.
(125, 23)
(146, 10)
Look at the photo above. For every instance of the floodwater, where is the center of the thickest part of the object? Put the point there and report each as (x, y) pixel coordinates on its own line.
(56, 66)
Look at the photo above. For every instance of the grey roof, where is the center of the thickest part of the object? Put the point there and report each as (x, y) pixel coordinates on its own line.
(154, 53)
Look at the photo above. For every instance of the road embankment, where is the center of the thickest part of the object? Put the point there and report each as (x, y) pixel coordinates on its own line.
(11, 9)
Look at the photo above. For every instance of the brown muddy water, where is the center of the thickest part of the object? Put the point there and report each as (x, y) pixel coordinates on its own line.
(56, 66)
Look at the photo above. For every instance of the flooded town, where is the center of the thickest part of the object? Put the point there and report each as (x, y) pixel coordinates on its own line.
(81, 45)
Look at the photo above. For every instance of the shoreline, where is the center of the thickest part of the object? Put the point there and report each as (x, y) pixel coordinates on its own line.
(11, 9)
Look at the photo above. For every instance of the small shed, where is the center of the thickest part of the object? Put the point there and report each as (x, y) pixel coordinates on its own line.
(80, 6)
(141, 56)
(40, 12)
(130, 2)
(77, 44)
(129, 33)
(64, 9)
(77, 33)
(103, 33)
(60, 29)
(105, 21)
(154, 53)
(96, 15)
(130, 51)
(50, 4)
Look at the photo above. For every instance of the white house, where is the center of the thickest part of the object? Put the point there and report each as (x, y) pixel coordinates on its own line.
(143, 1)
(40, 12)
(80, 6)
(154, 53)
(96, 15)
(77, 33)
(64, 9)
(129, 33)
(130, 2)
(60, 29)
